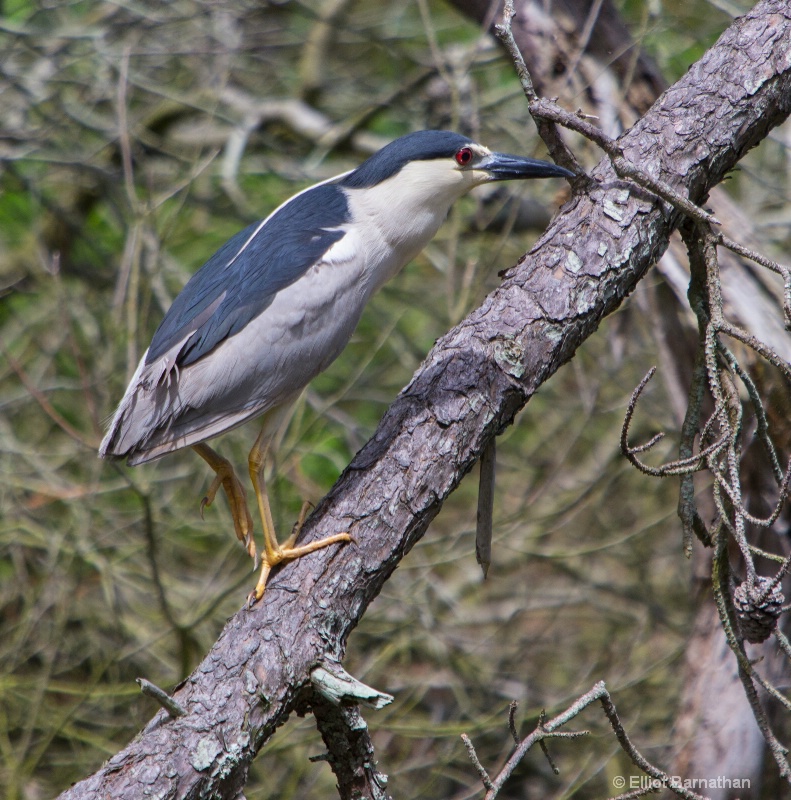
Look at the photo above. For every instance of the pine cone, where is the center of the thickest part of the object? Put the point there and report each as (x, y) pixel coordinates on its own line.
(758, 613)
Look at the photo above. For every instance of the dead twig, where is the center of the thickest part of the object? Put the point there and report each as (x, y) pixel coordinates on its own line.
(549, 730)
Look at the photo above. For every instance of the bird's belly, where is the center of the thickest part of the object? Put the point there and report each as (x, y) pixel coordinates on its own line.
(304, 329)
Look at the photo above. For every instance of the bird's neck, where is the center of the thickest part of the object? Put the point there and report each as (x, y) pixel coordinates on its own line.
(397, 221)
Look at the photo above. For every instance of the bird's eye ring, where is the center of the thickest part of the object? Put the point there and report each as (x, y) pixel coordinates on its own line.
(464, 156)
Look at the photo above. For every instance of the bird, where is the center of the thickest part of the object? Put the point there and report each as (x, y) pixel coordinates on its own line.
(276, 305)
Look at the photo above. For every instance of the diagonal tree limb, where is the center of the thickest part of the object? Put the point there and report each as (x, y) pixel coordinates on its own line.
(474, 381)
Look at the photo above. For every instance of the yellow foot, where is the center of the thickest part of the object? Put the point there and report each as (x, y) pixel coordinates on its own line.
(287, 552)
(275, 553)
(234, 491)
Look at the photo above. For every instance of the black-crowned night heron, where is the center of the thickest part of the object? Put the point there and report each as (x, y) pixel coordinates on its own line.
(276, 304)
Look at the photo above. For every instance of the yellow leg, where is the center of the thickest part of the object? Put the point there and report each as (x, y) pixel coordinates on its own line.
(275, 553)
(237, 498)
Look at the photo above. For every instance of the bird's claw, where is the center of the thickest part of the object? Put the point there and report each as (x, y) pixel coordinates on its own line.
(251, 551)
(287, 552)
(258, 592)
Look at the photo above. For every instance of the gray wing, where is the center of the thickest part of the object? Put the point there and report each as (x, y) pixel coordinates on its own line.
(229, 292)
(239, 281)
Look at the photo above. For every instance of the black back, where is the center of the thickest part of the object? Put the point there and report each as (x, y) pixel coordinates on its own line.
(235, 285)
(239, 282)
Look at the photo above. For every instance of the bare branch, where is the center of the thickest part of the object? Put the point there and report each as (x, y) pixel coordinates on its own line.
(512, 721)
(546, 129)
(483, 521)
(682, 466)
(476, 762)
(549, 730)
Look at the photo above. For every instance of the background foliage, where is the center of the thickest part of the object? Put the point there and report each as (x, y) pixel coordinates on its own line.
(135, 138)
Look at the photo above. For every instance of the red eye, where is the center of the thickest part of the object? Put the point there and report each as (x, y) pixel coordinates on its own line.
(464, 156)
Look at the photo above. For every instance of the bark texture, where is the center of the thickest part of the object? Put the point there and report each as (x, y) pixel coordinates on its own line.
(472, 384)
(350, 751)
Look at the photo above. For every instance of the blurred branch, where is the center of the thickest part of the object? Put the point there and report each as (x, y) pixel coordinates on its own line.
(547, 730)
(45, 405)
(314, 53)
(472, 384)
(305, 120)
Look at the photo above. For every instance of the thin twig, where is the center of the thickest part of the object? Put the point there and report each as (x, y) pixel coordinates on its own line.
(782, 641)
(760, 414)
(546, 129)
(550, 111)
(681, 466)
(512, 721)
(763, 261)
(162, 697)
(691, 521)
(484, 775)
(637, 758)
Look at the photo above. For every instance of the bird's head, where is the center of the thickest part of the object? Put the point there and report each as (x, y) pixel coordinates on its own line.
(441, 166)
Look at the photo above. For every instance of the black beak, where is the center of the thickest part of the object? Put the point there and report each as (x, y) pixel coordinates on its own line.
(505, 167)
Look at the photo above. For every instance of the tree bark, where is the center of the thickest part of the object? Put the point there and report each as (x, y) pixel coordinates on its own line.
(474, 381)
